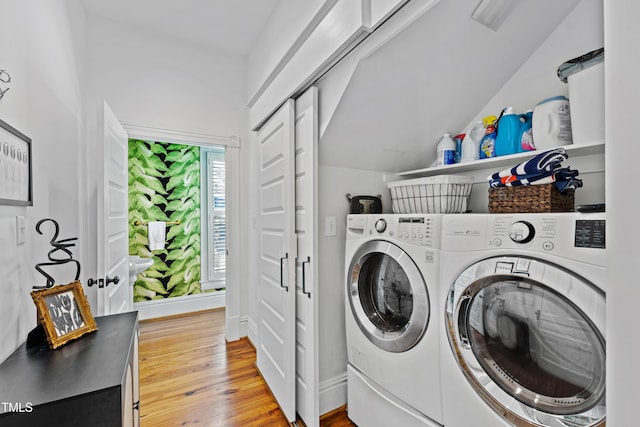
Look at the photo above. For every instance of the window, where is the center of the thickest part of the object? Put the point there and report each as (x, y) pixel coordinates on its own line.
(215, 203)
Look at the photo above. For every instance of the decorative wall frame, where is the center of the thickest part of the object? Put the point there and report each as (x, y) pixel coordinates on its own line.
(15, 167)
(64, 313)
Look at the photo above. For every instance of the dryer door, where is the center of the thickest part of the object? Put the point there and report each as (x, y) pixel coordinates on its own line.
(388, 296)
(529, 337)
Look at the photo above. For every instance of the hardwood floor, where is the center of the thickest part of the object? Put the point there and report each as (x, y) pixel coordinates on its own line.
(189, 376)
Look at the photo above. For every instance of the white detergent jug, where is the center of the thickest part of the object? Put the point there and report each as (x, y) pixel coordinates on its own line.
(471, 143)
(551, 123)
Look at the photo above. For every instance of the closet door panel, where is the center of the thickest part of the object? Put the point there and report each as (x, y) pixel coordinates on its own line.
(276, 329)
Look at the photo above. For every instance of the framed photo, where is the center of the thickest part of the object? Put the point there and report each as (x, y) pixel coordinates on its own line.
(64, 313)
(15, 167)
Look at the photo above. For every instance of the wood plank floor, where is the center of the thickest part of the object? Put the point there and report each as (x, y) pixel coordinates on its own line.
(190, 376)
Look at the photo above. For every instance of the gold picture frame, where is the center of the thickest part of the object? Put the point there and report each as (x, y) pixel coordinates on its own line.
(64, 313)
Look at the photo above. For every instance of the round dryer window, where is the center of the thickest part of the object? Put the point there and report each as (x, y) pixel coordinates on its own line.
(388, 296)
(537, 334)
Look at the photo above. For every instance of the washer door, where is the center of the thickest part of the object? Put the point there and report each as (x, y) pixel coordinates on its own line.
(529, 337)
(388, 296)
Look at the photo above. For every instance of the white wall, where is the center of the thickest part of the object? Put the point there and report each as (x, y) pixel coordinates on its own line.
(581, 31)
(161, 83)
(42, 45)
(334, 183)
(622, 64)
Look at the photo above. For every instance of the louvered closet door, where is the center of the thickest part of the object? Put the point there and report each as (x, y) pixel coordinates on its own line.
(277, 240)
(306, 142)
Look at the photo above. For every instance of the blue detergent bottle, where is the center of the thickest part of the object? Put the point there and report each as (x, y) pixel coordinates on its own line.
(509, 133)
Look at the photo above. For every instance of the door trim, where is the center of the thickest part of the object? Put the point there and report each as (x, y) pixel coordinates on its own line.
(232, 145)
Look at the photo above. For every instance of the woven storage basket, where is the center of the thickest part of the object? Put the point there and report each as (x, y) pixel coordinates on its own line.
(530, 199)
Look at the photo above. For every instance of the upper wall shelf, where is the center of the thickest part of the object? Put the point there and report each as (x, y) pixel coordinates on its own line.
(503, 162)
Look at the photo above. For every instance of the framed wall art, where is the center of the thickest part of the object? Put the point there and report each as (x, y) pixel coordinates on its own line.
(15, 167)
(64, 313)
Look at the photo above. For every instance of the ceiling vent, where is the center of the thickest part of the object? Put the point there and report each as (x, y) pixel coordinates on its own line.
(492, 13)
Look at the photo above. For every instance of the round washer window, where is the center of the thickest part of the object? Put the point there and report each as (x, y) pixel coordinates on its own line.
(537, 342)
(388, 296)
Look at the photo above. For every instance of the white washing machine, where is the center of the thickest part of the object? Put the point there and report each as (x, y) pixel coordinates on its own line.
(392, 273)
(523, 338)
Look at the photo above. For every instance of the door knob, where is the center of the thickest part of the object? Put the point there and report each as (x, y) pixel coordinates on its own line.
(92, 282)
(114, 280)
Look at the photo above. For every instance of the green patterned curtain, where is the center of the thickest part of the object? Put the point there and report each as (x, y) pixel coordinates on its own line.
(164, 185)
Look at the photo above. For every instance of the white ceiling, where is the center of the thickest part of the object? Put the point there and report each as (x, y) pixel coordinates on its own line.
(230, 26)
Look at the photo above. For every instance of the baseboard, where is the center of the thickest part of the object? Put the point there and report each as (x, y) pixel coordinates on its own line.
(178, 305)
(333, 393)
(250, 330)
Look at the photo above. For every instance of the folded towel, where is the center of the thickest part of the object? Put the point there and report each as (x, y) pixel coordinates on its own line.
(157, 231)
(543, 162)
(563, 179)
(539, 178)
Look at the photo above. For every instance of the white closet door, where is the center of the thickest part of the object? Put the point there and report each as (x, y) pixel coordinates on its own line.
(306, 131)
(114, 295)
(277, 240)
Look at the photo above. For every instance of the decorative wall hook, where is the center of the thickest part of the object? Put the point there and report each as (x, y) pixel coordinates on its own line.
(4, 78)
(54, 256)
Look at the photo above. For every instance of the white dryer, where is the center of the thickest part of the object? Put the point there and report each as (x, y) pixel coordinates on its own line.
(392, 273)
(523, 339)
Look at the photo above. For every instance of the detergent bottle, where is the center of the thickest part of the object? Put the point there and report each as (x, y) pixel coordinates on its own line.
(526, 139)
(471, 143)
(446, 150)
(488, 143)
(551, 123)
(509, 133)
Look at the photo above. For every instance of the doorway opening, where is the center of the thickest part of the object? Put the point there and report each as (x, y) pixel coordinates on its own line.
(177, 218)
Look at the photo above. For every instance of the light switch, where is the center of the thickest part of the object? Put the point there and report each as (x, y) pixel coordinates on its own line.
(20, 230)
(330, 226)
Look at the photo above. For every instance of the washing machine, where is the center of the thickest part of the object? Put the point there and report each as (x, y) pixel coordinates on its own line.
(523, 338)
(392, 273)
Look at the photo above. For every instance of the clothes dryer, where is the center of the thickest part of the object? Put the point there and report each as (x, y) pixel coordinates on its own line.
(392, 273)
(523, 339)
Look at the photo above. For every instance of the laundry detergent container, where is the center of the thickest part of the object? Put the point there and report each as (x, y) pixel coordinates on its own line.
(431, 195)
(585, 77)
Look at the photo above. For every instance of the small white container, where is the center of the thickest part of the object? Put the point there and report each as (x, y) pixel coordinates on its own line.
(446, 150)
(586, 94)
(434, 194)
(471, 143)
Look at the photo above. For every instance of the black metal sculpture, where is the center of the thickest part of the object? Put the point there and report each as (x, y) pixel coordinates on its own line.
(58, 245)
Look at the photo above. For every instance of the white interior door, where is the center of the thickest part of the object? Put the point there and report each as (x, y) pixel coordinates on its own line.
(277, 240)
(114, 295)
(306, 143)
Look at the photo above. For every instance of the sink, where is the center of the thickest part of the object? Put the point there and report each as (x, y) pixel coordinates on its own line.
(137, 265)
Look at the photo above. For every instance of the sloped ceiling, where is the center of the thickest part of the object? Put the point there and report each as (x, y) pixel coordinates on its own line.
(226, 26)
(434, 77)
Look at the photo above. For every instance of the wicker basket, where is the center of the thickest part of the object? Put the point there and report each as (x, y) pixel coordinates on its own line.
(530, 199)
(431, 195)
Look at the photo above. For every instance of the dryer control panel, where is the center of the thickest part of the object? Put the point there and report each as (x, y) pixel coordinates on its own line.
(421, 230)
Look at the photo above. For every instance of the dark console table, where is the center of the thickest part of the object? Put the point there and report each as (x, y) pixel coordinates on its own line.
(92, 381)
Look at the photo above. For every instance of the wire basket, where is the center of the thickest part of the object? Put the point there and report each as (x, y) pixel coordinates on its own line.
(530, 199)
(431, 195)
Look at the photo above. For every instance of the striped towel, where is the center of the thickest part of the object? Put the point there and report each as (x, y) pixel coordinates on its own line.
(563, 179)
(540, 163)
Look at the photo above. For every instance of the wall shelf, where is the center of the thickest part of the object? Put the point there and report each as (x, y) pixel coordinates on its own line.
(503, 162)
